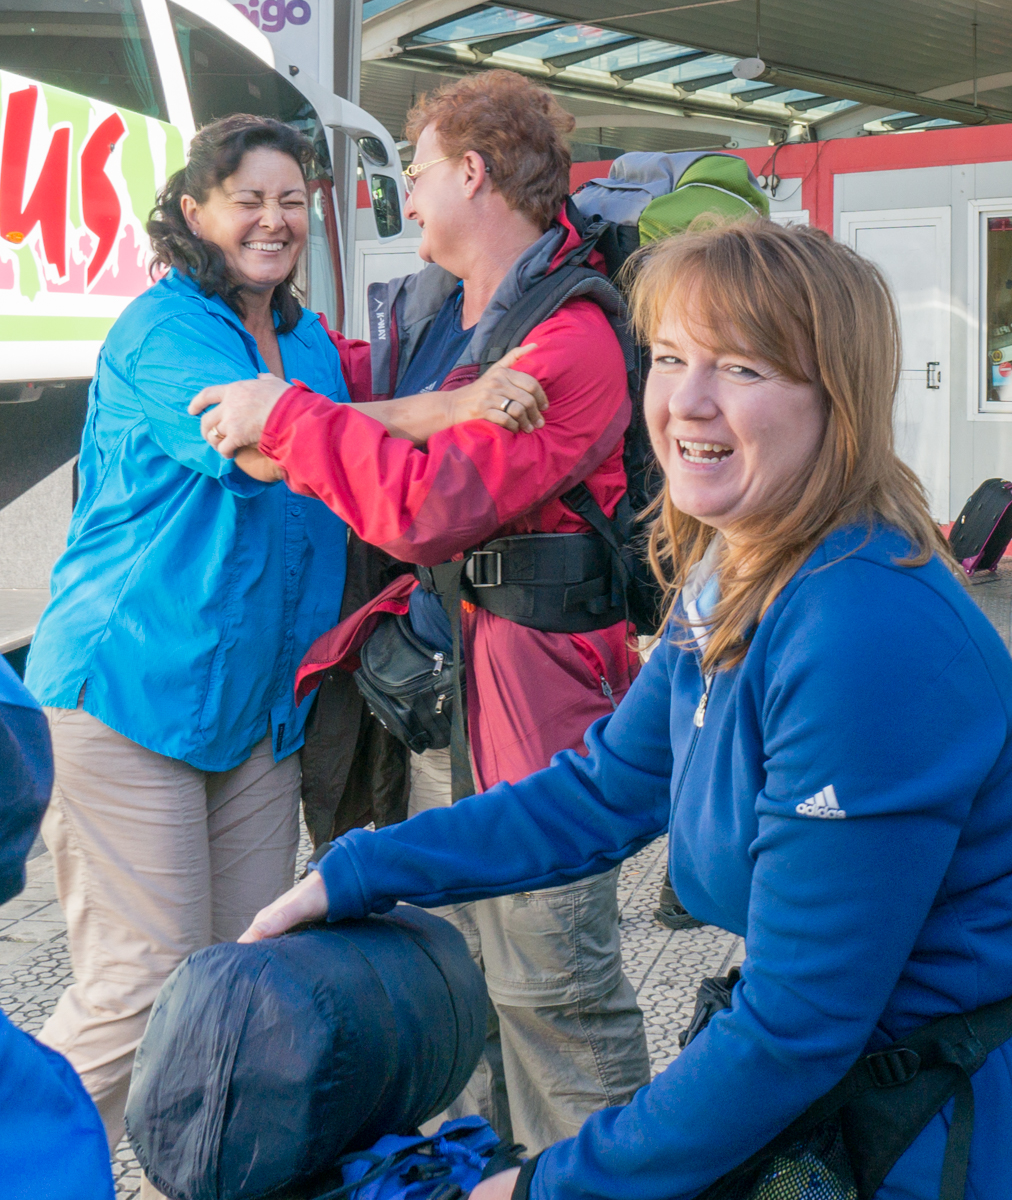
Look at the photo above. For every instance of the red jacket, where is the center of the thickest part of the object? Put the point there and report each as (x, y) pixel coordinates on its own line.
(530, 694)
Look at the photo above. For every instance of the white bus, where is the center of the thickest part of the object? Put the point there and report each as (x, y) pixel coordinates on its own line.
(98, 101)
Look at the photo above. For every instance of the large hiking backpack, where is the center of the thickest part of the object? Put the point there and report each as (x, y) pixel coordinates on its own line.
(646, 196)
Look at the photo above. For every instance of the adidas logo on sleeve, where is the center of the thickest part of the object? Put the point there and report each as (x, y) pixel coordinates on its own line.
(822, 804)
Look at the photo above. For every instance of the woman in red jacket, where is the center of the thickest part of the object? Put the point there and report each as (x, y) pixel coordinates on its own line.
(490, 180)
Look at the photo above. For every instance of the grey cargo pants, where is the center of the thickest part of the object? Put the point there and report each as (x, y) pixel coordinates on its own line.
(565, 1033)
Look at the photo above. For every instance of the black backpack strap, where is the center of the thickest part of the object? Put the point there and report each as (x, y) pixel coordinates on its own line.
(581, 500)
(461, 777)
(546, 297)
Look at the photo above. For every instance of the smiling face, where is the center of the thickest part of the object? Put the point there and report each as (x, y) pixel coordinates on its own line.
(258, 217)
(436, 199)
(731, 434)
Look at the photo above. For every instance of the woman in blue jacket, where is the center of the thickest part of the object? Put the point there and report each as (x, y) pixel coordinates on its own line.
(187, 595)
(823, 732)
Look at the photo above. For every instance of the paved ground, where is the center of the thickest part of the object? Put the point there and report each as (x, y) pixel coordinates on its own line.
(664, 967)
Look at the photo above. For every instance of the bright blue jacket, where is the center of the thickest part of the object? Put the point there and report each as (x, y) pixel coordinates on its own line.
(52, 1144)
(884, 683)
(188, 592)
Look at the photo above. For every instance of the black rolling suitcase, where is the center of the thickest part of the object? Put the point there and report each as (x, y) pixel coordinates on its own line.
(983, 529)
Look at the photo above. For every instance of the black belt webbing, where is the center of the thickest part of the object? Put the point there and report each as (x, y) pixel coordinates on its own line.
(887, 1098)
(554, 582)
(461, 778)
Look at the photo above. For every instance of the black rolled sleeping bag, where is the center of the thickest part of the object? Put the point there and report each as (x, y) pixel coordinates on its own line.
(263, 1063)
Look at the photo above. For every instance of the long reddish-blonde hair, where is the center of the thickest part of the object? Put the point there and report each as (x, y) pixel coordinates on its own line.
(816, 312)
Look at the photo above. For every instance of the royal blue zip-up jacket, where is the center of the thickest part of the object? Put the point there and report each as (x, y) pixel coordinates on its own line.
(52, 1144)
(188, 591)
(846, 806)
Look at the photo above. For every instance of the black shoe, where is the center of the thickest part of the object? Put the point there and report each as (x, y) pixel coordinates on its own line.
(670, 913)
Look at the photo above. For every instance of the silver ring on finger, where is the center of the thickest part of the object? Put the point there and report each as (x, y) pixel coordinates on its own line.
(505, 406)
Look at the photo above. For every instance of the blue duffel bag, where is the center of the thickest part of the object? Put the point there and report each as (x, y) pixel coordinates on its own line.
(264, 1063)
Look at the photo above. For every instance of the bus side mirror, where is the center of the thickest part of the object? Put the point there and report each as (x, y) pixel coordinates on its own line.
(384, 184)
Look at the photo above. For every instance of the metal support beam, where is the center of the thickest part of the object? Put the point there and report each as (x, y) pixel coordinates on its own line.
(662, 64)
(561, 61)
(620, 98)
(870, 93)
(347, 74)
(704, 81)
(809, 102)
(505, 40)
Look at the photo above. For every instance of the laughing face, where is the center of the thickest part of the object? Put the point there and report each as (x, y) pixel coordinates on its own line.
(730, 432)
(258, 217)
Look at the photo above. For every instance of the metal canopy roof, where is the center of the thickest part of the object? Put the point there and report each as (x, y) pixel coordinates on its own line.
(832, 66)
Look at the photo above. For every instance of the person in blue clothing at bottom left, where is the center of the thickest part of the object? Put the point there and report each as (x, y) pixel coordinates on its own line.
(824, 731)
(187, 595)
(52, 1143)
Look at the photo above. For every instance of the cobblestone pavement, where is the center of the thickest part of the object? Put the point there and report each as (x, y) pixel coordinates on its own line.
(664, 967)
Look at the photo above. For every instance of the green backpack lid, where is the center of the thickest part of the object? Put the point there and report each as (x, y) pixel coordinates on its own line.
(717, 183)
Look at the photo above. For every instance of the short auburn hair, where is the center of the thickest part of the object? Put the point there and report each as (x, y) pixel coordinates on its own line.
(518, 129)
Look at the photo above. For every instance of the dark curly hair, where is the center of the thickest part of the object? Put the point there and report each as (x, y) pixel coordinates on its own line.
(215, 154)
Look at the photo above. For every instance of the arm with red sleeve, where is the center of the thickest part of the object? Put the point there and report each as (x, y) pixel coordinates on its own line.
(423, 506)
(356, 364)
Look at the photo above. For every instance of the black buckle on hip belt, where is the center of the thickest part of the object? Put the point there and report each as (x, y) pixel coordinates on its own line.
(484, 568)
(555, 582)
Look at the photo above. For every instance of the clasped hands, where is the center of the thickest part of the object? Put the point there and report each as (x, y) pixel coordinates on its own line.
(234, 414)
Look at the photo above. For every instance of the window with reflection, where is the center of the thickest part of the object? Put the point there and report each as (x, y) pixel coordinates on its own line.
(97, 48)
(998, 318)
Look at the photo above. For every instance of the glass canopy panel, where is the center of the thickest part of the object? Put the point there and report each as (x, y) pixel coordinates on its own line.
(790, 97)
(632, 56)
(699, 69)
(490, 22)
(371, 7)
(564, 41)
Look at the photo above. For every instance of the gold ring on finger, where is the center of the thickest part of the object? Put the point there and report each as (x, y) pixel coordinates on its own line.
(213, 432)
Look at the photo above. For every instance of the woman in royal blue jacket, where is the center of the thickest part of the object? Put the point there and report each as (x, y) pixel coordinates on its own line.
(824, 732)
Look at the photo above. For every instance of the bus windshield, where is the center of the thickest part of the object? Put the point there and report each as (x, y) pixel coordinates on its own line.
(97, 48)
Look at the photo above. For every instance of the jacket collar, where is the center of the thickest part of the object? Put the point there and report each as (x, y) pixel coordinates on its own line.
(176, 281)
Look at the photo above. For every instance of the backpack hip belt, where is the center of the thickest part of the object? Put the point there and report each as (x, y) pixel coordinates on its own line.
(554, 582)
(887, 1098)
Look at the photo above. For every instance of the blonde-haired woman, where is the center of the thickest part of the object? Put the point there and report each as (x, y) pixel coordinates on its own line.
(823, 732)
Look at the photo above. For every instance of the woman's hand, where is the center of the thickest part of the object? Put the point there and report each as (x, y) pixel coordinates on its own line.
(503, 396)
(257, 465)
(241, 413)
(307, 901)
(496, 1187)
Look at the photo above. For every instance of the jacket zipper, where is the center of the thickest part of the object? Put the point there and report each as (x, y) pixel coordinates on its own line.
(606, 689)
(697, 722)
(700, 714)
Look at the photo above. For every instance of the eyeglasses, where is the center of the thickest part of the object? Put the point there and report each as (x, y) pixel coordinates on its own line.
(412, 172)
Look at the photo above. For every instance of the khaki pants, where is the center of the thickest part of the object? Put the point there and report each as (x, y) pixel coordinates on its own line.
(154, 859)
(565, 1034)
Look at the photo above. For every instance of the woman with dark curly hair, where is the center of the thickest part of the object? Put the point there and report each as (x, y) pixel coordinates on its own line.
(187, 595)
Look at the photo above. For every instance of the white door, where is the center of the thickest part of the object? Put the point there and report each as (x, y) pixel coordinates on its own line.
(377, 262)
(911, 247)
